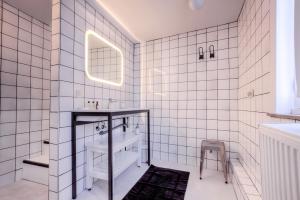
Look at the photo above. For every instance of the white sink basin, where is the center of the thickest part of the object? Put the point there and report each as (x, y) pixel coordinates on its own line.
(90, 118)
(100, 118)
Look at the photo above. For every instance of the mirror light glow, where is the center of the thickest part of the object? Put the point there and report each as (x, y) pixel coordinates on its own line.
(142, 49)
(152, 88)
(92, 33)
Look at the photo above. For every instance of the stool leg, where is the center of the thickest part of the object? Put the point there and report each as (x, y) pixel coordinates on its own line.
(224, 165)
(89, 169)
(202, 161)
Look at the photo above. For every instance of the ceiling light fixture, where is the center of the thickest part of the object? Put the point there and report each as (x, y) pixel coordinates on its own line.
(196, 4)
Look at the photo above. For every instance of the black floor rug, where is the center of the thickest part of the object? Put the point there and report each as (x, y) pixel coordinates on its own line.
(160, 184)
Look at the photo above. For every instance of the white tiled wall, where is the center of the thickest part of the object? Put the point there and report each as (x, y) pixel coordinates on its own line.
(25, 90)
(71, 89)
(191, 99)
(256, 73)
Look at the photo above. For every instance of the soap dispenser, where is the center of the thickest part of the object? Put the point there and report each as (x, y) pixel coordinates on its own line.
(137, 129)
(97, 105)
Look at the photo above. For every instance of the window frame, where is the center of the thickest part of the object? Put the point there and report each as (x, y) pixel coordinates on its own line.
(296, 109)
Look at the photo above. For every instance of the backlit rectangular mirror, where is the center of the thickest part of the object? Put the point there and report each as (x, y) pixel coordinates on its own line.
(103, 60)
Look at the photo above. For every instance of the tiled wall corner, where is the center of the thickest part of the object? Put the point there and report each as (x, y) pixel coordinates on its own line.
(192, 99)
(54, 98)
(137, 75)
(25, 90)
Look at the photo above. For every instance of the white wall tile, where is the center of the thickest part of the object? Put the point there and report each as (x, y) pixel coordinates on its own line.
(20, 102)
(197, 93)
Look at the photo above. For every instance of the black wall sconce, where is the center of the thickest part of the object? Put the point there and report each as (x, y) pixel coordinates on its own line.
(211, 51)
(201, 53)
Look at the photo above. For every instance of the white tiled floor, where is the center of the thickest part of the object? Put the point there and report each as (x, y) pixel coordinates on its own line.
(212, 187)
(24, 190)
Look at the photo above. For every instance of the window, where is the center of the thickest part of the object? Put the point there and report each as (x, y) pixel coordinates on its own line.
(296, 109)
(286, 72)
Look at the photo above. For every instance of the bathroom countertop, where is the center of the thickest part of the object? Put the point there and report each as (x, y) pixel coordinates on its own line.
(111, 110)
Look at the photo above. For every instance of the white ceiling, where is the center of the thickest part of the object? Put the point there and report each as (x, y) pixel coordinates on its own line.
(151, 19)
(39, 9)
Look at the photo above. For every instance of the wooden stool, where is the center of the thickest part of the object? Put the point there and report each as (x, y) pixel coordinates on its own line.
(214, 145)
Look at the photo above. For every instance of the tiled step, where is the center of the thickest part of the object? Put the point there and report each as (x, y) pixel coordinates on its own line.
(46, 141)
(45, 147)
(36, 169)
(242, 184)
(40, 164)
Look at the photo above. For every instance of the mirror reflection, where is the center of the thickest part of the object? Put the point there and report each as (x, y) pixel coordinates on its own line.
(104, 60)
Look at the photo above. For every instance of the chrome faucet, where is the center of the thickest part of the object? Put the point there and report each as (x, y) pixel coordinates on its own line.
(97, 105)
(110, 101)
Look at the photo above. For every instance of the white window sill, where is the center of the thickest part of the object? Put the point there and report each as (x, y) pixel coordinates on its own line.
(285, 116)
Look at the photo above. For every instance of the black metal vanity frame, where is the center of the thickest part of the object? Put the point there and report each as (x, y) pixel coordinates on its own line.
(109, 115)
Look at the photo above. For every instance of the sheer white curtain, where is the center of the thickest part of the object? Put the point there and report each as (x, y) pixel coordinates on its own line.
(286, 92)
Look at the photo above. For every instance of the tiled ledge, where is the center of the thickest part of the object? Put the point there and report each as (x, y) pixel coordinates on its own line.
(284, 116)
(242, 184)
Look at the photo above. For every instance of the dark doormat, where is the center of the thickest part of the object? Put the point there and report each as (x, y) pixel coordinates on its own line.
(160, 184)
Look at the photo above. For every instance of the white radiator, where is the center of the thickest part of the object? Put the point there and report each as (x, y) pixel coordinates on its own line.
(280, 161)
